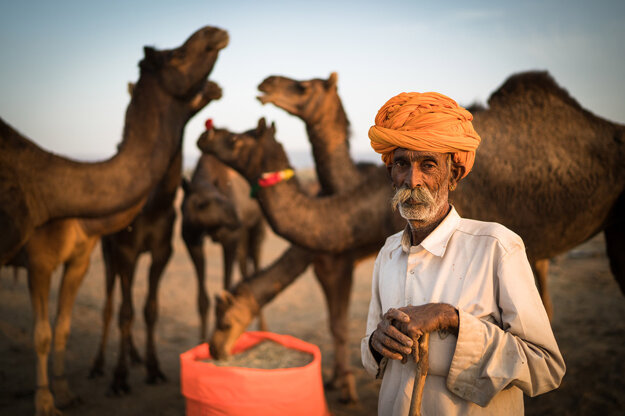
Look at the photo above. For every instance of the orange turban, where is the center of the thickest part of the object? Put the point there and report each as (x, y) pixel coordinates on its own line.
(425, 122)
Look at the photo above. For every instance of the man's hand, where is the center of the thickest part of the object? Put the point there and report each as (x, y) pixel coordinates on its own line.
(415, 321)
(389, 341)
(397, 334)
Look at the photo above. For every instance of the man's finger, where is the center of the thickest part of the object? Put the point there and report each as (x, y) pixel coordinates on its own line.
(392, 344)
(385, 351)
(396, 334)
(397, 315)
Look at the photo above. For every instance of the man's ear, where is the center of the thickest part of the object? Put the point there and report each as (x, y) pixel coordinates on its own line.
(457, 172)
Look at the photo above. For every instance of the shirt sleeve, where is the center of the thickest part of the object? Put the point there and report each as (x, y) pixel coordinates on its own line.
(373, 318)
(522, 352)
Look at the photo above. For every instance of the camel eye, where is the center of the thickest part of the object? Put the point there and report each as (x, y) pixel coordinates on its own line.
(202, 205)
(178, 54)
(224, 324)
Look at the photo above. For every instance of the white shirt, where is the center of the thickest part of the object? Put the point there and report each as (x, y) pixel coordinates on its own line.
(505, 346)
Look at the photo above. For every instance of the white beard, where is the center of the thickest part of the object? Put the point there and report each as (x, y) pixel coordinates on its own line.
(420, 212)
(425, 210)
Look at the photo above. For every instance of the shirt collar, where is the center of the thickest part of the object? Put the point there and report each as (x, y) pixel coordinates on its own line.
(436, 241)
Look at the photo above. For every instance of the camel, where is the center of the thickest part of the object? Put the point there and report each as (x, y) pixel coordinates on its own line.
(151, 231)
(334, 272)
(175, 90)
(533, 87)
(217, 203)
(37, 186)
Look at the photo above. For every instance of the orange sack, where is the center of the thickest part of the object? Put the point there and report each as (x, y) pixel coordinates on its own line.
(234, 391)
(425, 122)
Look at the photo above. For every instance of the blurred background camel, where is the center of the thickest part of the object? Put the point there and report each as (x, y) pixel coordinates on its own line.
(217, 203)
(169, 92)
(555, 137)
(150, 232)
(36, 186)
(327, 127)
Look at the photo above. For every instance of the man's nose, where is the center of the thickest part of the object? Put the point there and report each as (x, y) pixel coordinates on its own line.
(415, 177)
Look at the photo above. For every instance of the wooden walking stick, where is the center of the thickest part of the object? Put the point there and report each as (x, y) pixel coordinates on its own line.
(422, 371)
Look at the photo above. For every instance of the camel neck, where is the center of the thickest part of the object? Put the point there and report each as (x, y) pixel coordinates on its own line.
(152, 133)
(336, 170)
(353, 222)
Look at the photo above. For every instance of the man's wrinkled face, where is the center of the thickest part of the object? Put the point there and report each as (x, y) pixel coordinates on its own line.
(421, 180)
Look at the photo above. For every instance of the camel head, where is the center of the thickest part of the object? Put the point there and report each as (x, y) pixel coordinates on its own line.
(307, 100)
(182, 71)
(233, 314)
(205, 207)
(250, 153)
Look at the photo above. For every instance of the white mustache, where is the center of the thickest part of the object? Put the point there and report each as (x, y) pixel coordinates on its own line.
(419, 194)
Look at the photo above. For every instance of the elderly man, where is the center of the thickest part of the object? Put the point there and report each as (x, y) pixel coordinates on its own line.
(468, 283)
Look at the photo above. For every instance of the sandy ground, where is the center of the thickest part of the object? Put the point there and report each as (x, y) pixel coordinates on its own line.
(589, 325)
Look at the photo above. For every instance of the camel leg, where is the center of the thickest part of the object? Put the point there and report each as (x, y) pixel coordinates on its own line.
(541, 273)
(334, 272)
(229, 250)
(39, 287)
(247, 251)
(97, 368)
(615, 248)
(195, 246)
(255, 240)
(253, 294)
(119, 385)
(74, 273)
(242, 254)
(160, 258)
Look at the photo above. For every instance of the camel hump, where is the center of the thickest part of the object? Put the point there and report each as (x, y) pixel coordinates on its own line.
(532, 86)
(507, 238)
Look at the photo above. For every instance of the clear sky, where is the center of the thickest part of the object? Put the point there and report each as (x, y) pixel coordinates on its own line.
(65, 64)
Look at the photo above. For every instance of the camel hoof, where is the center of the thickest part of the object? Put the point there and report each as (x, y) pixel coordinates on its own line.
(118, 388)
(70, 402)
(49, 412)
(95, 372)
(155, 375)
(64, 397)
(347, 386)
(135, 358)
(97, 366)
(44, 404)
(330, 385)
(155, 378)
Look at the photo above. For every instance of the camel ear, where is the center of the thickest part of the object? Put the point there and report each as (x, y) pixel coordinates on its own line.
(153, 59)
(273, 127)
(131, 88)
(262, 124)
(333, 80)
